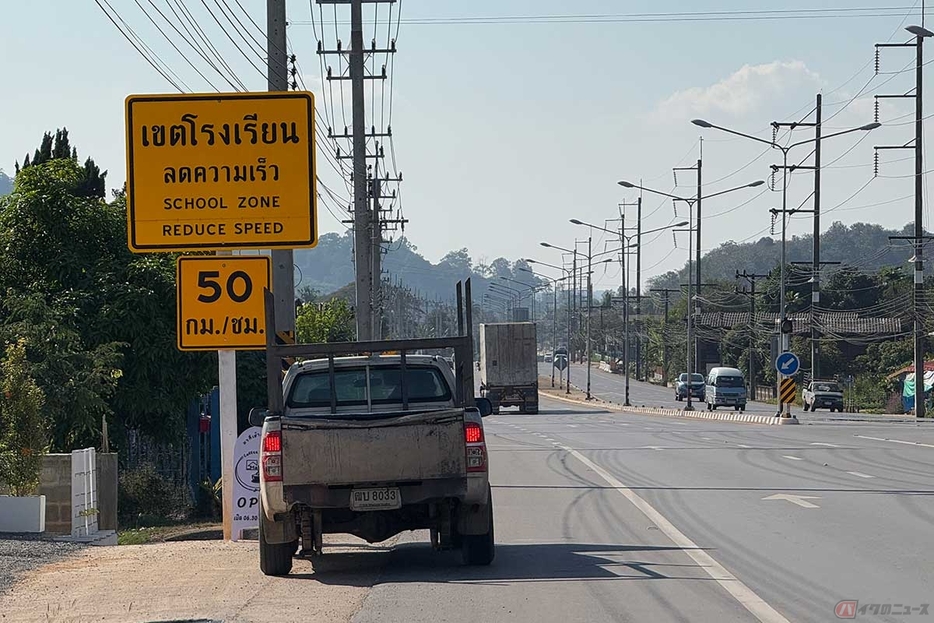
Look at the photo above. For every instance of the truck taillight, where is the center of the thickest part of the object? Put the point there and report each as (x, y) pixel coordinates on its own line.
(473, 432)
(272, 456)
(272, 441)
(475, 447)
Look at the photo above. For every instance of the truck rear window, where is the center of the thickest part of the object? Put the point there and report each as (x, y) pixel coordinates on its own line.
(424, 384)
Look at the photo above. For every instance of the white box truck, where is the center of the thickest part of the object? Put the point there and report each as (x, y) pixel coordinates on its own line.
(509, 365)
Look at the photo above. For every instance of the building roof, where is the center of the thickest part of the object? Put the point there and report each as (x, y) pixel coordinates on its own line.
(928, 367)
(841, 323)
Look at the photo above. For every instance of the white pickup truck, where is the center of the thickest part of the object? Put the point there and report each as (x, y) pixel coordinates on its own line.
(372, 446)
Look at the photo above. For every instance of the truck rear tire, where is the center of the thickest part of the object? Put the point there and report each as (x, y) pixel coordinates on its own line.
(479, 549)
(274, 558)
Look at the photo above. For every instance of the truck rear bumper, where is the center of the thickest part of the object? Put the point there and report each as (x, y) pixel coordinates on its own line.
(512, 396)
(424, 505)
(468, 490)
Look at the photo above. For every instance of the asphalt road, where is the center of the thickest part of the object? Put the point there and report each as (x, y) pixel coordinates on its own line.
(612, 387)
(616, 517)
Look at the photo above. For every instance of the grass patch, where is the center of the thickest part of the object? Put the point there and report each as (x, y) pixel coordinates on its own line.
(159, 534)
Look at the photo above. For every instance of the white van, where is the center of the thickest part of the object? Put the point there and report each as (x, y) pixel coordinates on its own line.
(726, 387)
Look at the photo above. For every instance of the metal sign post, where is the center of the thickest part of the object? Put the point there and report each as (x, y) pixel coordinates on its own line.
(787, 365)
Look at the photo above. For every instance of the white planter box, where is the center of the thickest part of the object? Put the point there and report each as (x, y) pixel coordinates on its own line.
(26, 514)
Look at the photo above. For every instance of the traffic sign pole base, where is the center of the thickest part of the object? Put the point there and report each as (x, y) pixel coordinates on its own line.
(689, 408)
(790, 419)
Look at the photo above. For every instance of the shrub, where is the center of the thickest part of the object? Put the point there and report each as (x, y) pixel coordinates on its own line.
(23, 438)
(147, 497)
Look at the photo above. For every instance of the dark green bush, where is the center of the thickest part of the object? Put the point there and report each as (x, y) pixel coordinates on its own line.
(148, 498)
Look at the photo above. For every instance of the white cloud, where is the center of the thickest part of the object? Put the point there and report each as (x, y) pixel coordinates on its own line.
(749, 89)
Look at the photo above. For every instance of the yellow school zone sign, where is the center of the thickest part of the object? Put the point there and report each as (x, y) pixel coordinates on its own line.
(221, 171)
(220, 302)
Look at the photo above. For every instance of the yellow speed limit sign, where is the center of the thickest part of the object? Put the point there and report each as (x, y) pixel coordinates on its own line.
(220, 302)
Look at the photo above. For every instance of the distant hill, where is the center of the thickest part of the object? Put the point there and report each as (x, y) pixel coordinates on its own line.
(6, 183)
(329, 267)
(864, 246)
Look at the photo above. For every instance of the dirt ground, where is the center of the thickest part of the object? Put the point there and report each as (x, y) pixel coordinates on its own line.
(200, 580)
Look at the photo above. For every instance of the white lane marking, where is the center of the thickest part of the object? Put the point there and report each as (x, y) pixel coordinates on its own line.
(730, 583)
(706, 439)
(741, 445)
(826, 445)
(860, 475)
(653, 448)
(800, 500)
(792, 458)
(548, 439)
(907, 443)
(572, 425)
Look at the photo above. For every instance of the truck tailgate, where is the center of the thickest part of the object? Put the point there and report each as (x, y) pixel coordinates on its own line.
(339, 451)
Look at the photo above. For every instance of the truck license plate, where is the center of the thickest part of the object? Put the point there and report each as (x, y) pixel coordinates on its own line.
(387, 498)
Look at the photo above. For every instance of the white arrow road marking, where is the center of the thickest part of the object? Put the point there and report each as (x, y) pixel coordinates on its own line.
(860, 475)
(800, 500)
(826, 445)
(730, 583)
(792, 458)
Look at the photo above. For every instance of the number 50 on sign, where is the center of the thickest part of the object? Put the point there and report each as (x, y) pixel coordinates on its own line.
(220, 302)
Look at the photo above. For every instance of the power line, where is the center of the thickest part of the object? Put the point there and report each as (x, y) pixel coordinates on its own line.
(136, 41)
(169, 39)
(196, 27)
(674, 16)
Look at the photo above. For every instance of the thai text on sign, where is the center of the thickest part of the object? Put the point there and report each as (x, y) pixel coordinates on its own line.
(220, 171)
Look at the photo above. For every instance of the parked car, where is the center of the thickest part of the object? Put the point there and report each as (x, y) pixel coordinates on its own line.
(823, 395)
(726, 387)
(696, 386)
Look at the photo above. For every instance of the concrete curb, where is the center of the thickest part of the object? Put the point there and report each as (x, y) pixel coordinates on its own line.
(699, 415)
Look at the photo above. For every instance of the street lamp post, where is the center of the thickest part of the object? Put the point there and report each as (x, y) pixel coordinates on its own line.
(590, 257)
(626, 242)
(784, 409)
(567, 275)
(554, 315)
(690, 229)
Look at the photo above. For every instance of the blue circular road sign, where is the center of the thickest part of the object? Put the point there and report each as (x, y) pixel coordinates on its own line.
(787, 364)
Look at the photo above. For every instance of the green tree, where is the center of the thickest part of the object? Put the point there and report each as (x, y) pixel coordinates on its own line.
(332, 321)
(93, 180)
(22, 425)
(102, 320)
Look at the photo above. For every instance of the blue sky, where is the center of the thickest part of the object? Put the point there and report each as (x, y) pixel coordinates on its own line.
(504, 131)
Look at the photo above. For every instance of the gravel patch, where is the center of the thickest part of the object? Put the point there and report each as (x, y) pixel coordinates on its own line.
(20, 553)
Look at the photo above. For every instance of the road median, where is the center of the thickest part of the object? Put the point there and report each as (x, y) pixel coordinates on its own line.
(576, 396)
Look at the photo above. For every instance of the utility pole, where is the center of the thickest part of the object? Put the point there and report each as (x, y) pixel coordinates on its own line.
(920, 33)
(815, 237)
(815, 241)
(367, 222)
(283, 286)
(751, 280)
(666, 292)
(363, 234)
(640, 369)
